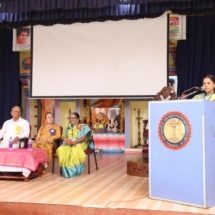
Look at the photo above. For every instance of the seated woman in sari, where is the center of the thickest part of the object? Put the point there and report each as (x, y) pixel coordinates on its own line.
(46, 135)
(208, 86)
(71, 153)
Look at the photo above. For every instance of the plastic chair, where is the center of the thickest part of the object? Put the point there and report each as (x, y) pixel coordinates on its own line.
(90, 150)
(57, 143)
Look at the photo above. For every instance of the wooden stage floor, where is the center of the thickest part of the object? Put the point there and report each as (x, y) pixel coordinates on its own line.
(106, 191)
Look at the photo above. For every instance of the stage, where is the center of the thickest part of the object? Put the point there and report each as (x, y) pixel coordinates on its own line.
(106, 191)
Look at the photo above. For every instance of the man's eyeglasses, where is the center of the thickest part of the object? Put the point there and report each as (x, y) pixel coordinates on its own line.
(72, 117)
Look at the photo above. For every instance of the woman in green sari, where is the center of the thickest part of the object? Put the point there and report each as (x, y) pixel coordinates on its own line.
(208, 86)
(71, 153)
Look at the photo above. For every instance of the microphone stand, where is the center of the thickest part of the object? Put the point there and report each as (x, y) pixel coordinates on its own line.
(183, 97)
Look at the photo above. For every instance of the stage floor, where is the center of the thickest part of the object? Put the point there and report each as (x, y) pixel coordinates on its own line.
(109, 187)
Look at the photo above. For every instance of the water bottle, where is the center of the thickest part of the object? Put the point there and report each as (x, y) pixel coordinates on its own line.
(10, 143)
(30, 144)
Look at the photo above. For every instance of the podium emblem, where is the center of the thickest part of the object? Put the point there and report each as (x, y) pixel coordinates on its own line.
(174, 130)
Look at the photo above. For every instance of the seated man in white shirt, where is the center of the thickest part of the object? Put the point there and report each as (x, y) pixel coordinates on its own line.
(17, 128)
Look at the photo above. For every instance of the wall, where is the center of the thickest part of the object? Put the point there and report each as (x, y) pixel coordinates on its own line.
(134, 106)
(64, 107)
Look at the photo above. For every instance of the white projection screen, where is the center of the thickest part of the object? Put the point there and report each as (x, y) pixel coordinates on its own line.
(123, 59)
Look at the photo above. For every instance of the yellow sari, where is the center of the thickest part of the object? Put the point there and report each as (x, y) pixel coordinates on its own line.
(72, 158)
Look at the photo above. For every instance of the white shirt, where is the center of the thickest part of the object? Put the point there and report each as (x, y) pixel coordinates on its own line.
(11, 128)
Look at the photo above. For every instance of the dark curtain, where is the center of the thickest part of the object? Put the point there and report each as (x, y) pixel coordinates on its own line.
(9, 75)
(20, 6)
(49, 12)
(196, 54)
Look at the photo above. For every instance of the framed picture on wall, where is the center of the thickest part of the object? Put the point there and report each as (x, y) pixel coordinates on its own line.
(22, 39)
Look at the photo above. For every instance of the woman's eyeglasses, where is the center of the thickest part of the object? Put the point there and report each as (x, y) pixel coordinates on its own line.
(72, 117)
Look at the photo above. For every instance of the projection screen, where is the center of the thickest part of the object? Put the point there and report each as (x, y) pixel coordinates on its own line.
(126, 58)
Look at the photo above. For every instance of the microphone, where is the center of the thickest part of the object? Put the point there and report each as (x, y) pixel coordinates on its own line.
(184, 96)
(199, 88)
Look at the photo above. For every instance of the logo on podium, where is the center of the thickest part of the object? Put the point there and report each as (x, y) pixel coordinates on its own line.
(174, 130)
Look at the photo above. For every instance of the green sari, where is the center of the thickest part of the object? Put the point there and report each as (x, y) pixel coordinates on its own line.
(204, 96)
(72, 158)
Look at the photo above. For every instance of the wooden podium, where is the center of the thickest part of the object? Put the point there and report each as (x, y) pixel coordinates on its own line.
(182, 152)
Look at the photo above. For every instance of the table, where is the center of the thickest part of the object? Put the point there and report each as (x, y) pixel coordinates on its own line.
(137, 167)
(22, 159)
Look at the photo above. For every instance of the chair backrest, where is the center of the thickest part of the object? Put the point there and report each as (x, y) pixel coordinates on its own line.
(145, 131)
(90, 143)
(25, 139)
(90, 149)
(57, 142)
(61, 130)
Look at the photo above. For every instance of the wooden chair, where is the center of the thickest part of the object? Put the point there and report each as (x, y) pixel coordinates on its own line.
(90, 150)
(145, 132)
(145, 150)
(56, 144)
(25, 139)
(166, 93)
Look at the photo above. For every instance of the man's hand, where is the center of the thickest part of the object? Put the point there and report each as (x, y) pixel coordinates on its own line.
(16, 140)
